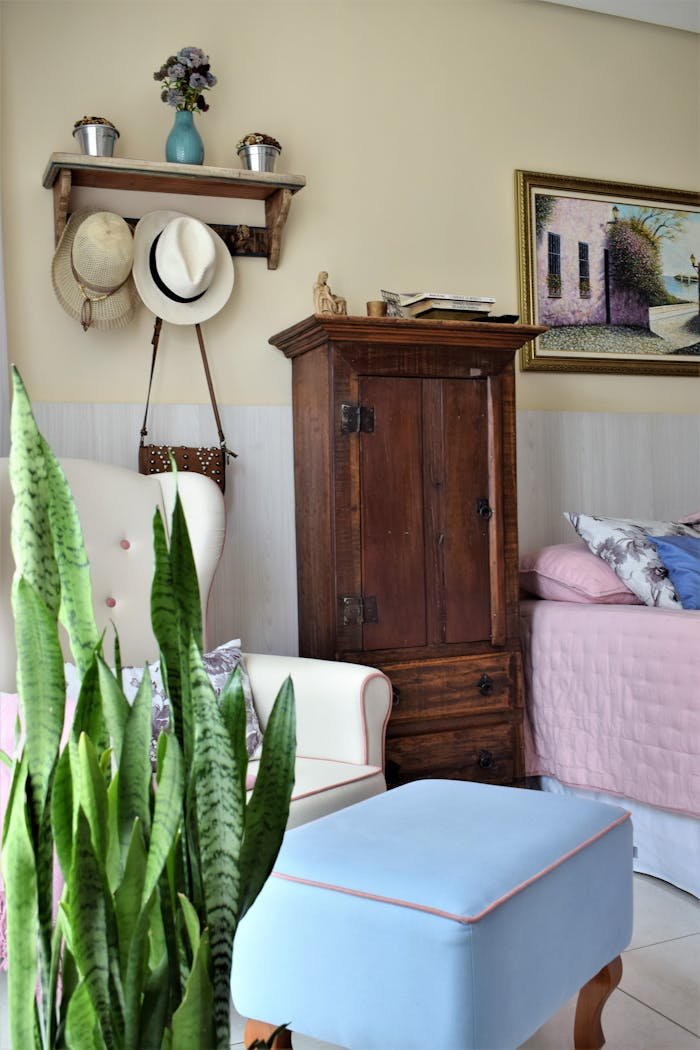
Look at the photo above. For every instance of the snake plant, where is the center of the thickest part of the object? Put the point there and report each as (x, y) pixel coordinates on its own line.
(158, 867)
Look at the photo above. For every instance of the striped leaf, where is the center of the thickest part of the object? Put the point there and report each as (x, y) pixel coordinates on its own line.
(184, 573)
(76, 611)
(89, 715)
(166, 625)
(135, 766)
(19, 875)
(155, 1006)
(41, 686)
(192, 1021)
(32, 543)
(93, 795)
(136, 974)
(232, 707)
(219, 806)
(268, 809)
(62, 812)
(167, 815)
(88, 921)
(82, 1029)
(191, 921)
(114, 705)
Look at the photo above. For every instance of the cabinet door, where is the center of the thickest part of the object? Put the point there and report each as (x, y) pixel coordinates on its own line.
(425, 548)
(391, 513)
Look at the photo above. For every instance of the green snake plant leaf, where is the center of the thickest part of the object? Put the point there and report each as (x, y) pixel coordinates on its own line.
(135, 766)
(76, 611)
(127, 898)
(137, 972)
(88, 921)
(82, 1028)
(220, 809)
(268, 809)
(166, 816)
(166, 626)
(89, 715)
(63, 815)
(232, 707)
(114, 862)
(41, 686)
(191, 920)
(154, 1010)
(192, 1021)
(19, 874)
(115, 706)
(93, 795)
(185, 580)
(32, 543)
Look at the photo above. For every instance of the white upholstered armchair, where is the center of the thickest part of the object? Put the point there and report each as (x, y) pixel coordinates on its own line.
(342, 709)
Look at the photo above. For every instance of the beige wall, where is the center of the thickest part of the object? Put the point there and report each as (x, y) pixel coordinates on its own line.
(408, 120)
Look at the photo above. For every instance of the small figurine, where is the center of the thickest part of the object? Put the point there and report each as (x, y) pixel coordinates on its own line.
(324, 300)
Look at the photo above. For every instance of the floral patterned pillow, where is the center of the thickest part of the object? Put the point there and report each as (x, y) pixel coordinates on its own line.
(219, 665)
(624, 546)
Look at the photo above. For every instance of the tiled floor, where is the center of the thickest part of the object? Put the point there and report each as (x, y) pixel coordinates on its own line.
(657, 1005)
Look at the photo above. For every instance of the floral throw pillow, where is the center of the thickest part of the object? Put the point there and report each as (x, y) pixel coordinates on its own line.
(219, 665)
(623, 545)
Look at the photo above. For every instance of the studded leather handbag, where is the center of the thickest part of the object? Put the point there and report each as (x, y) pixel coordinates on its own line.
(211, 461)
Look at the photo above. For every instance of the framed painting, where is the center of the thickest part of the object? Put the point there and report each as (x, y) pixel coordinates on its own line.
(612, 269)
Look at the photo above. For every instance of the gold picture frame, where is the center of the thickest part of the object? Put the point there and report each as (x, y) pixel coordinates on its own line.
(592, 262)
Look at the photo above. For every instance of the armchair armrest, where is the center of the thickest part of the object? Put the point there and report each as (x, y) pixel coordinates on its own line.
(342, 709)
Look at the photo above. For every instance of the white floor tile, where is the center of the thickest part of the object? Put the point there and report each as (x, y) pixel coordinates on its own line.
(666, 976)
(627, 1025)
(662, 912)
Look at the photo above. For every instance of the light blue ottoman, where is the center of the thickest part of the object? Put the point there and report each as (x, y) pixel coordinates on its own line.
(440, 914)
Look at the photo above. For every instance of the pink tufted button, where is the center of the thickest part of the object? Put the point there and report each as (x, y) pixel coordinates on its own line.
(111, 602)
(124, 544)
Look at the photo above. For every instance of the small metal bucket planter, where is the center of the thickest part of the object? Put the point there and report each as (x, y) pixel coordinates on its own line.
(96, 140)
(259, 157)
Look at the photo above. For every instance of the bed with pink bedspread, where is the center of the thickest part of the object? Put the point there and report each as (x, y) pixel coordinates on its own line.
(613, 711)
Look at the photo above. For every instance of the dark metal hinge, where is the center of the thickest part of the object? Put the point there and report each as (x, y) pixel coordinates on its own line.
(356, 609)
(356, 419)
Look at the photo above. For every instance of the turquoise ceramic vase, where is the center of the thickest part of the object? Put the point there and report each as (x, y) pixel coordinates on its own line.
(184, 143)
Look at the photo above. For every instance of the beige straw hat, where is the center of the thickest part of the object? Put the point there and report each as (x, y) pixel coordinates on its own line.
(182, 269)
(92, 270)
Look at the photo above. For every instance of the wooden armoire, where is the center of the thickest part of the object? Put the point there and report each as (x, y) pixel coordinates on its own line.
(406, 528)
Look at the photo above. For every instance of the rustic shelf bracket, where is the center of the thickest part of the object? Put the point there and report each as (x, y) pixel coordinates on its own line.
(276, 212)
(61, 201)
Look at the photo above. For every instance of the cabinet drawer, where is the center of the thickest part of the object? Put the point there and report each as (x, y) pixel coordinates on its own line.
(482, 752)
(430, 690)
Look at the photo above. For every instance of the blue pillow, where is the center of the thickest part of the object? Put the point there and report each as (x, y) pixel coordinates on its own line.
(681, 557)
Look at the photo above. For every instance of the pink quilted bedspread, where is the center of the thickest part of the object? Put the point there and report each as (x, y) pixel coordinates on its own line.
(613, 699)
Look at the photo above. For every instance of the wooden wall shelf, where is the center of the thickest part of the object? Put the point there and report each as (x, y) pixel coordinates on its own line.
(66, 170)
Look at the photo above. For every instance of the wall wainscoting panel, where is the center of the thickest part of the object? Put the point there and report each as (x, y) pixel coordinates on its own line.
(613, 464)
(254, 592)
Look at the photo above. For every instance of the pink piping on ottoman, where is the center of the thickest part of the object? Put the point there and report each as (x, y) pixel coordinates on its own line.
(340, 783)
(464, 919)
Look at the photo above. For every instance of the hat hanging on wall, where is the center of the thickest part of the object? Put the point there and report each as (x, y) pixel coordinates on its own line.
(182, 268)
(91, 270)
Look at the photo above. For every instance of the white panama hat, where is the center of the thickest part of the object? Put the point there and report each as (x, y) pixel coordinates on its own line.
(91, 270)
(182, 269)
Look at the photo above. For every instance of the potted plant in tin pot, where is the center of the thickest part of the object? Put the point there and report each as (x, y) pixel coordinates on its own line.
(158, 868)
(258, 151)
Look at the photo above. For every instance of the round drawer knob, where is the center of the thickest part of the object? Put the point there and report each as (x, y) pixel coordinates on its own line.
(485, 759)
(485, 685)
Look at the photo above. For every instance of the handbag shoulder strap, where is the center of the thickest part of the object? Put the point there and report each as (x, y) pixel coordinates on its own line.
(154, 340)
(210, 386)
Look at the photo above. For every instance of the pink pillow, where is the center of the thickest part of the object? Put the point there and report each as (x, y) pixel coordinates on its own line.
(569, 572)
(692, 519)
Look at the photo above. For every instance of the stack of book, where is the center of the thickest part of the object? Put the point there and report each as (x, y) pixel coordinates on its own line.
(437, 306)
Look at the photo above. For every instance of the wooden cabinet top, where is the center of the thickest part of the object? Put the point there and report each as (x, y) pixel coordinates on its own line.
(320, 329)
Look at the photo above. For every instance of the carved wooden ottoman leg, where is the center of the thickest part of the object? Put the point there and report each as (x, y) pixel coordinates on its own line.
(261, 1030)
(588, 1031)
